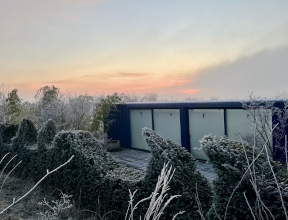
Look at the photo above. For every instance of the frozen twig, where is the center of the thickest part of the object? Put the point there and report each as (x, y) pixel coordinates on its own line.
(286, 156)
(7, 163)
(156, 206)
(9, 174)
(243, 176)
(249, 206)
(199, 205)
(47, 174)
(278, 187)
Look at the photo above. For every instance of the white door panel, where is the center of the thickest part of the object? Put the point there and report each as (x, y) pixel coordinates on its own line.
(139, 118)
(239, 124)
(201, 122)
(167, 123)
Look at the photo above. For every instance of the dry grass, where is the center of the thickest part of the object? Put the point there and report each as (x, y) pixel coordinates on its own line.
(28, 207)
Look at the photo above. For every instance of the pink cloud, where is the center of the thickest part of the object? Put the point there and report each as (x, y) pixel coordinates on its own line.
(188, 91)
(131, 82)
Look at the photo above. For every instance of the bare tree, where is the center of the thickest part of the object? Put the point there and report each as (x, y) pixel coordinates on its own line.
(191, 98)
(261, 111)
(151, 97)
(213, 98)
(3, 104)
(79, 111)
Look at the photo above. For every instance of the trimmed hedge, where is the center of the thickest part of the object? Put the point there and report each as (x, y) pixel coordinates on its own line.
(230, 163)
(27, 134)
(1, 141)
(83, 176)
(184, 180)
(115, 190)
(8, 131)
(24, 144)
(118, 181)
(93, 174)
(46, 135)
(44, 140)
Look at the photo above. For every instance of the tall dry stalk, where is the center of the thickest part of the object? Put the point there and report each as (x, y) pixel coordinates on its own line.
(260, 206)
(157, 198)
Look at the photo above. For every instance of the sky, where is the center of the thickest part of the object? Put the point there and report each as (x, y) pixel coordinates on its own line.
(175, 48)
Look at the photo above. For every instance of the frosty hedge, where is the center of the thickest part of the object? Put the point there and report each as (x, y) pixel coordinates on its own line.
(8, 131)
(183, 182)
(93, 174)
(230, 163)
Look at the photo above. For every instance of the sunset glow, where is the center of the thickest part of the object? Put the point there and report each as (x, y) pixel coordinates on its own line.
(172, 48)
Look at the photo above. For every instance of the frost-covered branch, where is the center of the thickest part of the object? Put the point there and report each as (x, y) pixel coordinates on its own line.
(44, 177)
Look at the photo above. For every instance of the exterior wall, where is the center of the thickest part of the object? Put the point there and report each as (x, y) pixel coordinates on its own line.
(121, 129)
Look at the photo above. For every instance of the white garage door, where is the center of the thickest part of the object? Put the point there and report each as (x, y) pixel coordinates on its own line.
(167, 123)
(139, 118)
(239, 123)
(201, 122)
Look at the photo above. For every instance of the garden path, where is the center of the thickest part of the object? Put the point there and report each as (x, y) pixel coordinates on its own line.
(138, 159)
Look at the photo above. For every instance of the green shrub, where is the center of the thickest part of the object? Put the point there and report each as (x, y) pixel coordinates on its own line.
(103, 112)
(114, 191)
(1, 143)
(27, 134)
(24, 144)
(46, 135)
(230, 164)
(44, 141)
(8, 131)
(184, 180)
(83, 176)
(118, 181)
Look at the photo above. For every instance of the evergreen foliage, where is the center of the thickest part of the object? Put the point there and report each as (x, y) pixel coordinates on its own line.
(8, 131)
(83, 176)
(44, 141)
(46, 135)
(1, 142)
(102, 112)
(114, 190)
(184, 180)
(47, 94)
(14, 106)
(27, 134)
(229, 160)
(117, 181)
(24, 145)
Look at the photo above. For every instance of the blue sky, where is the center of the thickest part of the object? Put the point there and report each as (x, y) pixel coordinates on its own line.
(167, 47)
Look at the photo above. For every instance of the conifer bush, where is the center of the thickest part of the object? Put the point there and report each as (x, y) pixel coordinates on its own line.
(1, 143)
(24, 144)
(46, 135)
(229, 160)
(113, 189)
(27, 134)
(8, 131)
(83, 176)
(44, 141)
(184, 180)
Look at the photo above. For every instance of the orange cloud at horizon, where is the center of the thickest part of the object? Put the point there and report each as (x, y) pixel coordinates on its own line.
(188, 91)
(137, 83)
